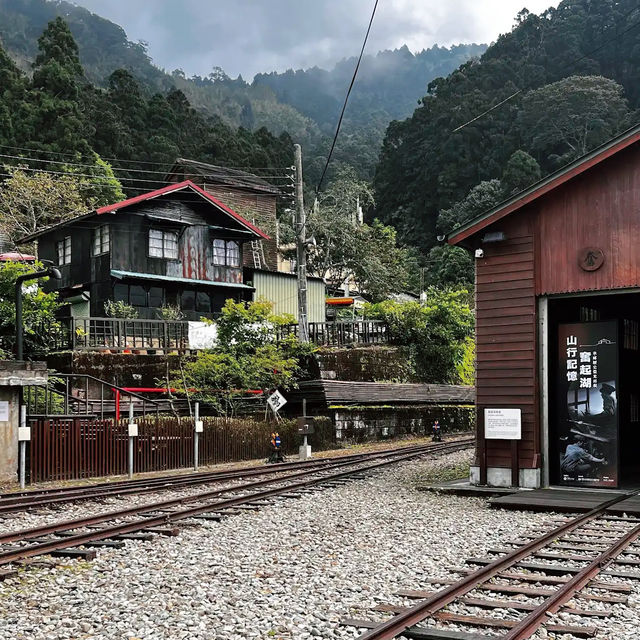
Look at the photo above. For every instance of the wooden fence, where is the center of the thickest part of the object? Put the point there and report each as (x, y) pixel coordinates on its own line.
(74, 448)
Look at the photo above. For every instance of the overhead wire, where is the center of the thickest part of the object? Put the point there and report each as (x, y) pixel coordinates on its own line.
(346, 99)
(570, 65)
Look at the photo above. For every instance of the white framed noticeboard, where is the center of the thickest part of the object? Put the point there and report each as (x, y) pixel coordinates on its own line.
(503, 424)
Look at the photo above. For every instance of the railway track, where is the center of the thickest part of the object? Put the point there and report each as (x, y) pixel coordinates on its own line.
(75, 538)
(14, 502)
(561, 580)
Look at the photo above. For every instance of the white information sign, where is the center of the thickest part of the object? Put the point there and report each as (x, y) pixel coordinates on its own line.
(503, 424)
(276, 401)
(4, 411)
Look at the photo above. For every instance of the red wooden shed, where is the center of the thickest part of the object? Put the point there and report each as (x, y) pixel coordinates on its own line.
(558, 311)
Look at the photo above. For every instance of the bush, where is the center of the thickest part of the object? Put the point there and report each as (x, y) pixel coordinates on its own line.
(119, 309)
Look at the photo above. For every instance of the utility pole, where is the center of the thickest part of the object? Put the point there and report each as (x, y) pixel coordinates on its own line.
(301, 250)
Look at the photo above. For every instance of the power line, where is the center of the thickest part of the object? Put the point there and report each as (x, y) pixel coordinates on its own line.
(571, 65)
(346, 99)
(114, 159)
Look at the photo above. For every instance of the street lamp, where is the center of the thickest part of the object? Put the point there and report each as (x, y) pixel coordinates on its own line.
(50, 272)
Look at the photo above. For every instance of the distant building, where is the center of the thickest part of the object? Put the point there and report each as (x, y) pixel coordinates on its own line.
(178, 245)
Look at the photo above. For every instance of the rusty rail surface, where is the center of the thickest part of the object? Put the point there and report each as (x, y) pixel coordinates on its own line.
(430, 608)
(75, 533)
(12, 502)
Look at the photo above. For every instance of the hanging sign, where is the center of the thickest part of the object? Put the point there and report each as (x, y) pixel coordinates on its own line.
(587, 404)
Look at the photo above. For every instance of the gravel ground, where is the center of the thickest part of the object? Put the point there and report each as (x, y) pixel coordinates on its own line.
(290, 570)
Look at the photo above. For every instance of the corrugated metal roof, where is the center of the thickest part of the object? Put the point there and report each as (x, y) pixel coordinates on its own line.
(116, 273)
(223, 175)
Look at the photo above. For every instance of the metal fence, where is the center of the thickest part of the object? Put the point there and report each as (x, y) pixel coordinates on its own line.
(121, 335)
(75, 448)
(161, 336)
(343, 332)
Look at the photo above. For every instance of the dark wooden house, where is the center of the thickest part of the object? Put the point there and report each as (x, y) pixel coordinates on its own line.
(558, 313)
(252, 197)
(177, 246)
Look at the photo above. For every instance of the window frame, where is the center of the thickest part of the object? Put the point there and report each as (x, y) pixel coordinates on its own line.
(101, 236)
(222, 250)
(63, 250)
(163, 235)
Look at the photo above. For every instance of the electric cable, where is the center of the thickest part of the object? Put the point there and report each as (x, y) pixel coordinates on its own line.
(346, 99)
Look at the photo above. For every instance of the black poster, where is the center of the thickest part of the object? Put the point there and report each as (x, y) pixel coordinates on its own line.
(587, 408)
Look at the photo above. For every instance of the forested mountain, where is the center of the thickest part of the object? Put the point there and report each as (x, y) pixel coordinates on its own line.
(305, 104)
(575, 73)
(56, 121)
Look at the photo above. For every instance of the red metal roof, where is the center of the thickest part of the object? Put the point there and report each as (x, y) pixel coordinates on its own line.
(179, 186)
(552, 181)
(14, 256)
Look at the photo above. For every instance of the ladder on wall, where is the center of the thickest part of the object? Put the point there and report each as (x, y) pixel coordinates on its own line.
(255, 251)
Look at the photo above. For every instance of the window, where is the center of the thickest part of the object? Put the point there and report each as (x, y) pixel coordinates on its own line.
(64, 251)
(226, 253)
(100, 240)
(137, 295)
(188, 301)
(163, 244)
(156, 296)
(203, 302)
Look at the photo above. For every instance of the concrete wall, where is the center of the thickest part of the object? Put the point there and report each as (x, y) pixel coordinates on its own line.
(363, 364)
(9, 435)
(367, 423)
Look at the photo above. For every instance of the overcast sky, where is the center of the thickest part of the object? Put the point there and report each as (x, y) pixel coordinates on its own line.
(250, 36)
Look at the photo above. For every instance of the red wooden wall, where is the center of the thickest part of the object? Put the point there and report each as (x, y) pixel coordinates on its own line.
(600, 208)
(506, 337)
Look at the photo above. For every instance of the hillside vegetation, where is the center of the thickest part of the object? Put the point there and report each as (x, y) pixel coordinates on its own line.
(305, 104)
(576, 75)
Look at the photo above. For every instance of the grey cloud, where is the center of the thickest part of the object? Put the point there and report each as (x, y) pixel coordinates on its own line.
(250, 36)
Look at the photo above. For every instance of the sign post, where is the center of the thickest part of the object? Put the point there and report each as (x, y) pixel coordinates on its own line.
(24, 436)
(199, 427)
(505, 424)
(133, 434)
(276, 401)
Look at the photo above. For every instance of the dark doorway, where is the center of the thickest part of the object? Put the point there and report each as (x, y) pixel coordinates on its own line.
(584, 420)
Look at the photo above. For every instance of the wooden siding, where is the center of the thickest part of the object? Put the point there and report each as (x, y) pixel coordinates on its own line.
(598, 209)
(506, 339)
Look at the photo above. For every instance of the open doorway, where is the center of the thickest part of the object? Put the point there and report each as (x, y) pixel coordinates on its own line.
(594, 392)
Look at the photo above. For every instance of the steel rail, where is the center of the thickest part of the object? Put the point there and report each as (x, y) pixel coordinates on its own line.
(398, 624)
(98, 518)
(530, 623)
(20, 503)
(10, 502)
(76, 540)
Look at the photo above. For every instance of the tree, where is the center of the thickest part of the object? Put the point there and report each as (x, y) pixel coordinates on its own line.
(248, 357)
(30, 202)
(482, 197)
(565, 119)
(346, 250)
(434, 334)
(38, 311)
(521, 171)
(450, 266)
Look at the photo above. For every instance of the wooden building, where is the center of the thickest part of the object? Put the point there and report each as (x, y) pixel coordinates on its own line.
(252, 197)
(178, 246)
(558, 311)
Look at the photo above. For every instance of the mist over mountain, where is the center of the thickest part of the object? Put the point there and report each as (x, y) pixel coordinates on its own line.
(303, 103)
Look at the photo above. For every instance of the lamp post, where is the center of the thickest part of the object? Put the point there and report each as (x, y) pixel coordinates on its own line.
(50, 272)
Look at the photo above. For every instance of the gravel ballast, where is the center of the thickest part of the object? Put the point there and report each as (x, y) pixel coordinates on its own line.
(291, 570)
